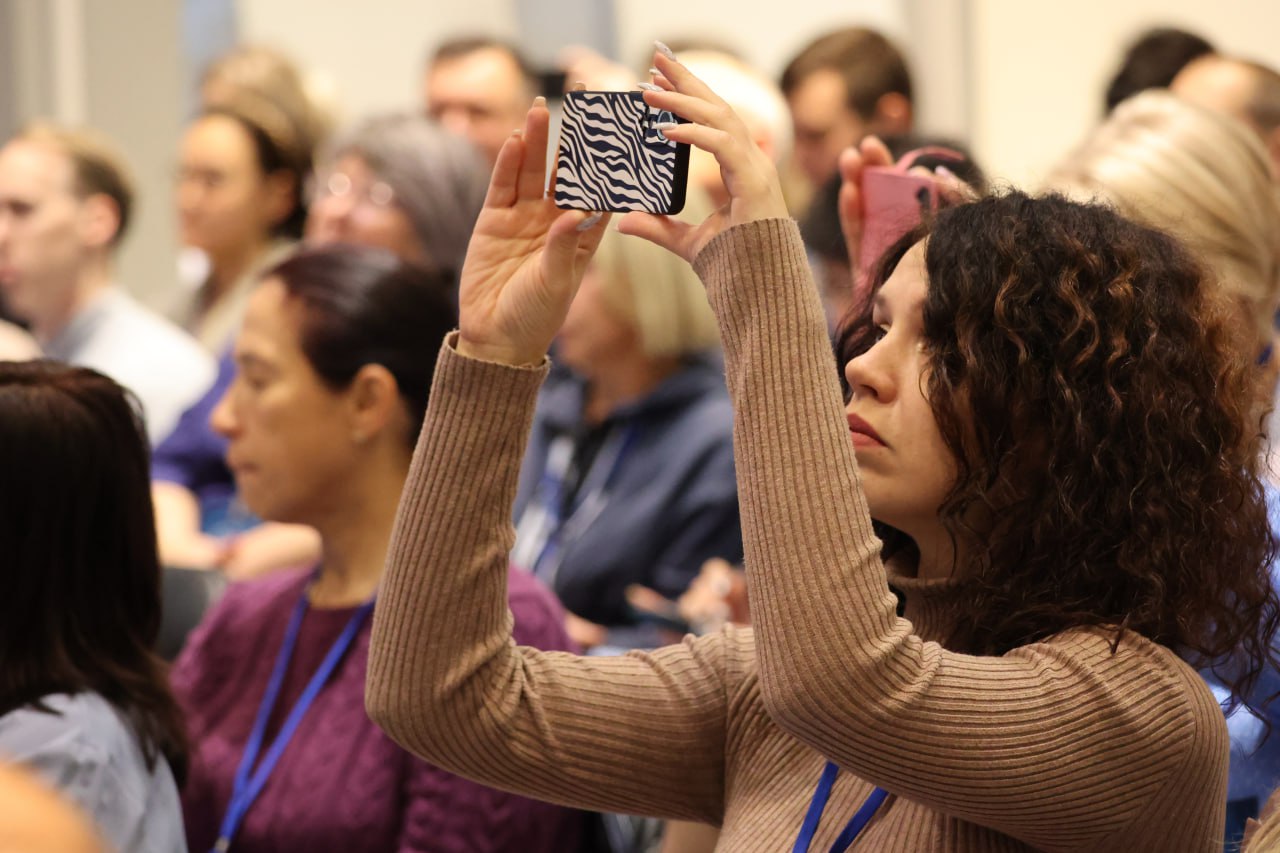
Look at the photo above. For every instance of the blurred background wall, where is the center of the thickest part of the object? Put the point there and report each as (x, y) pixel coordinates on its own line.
(1021, 81)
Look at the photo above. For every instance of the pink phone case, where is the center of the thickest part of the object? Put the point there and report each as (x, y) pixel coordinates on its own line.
(893, 203)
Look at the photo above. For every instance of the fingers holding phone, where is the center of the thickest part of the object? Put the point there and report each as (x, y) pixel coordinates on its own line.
(749, 175)
(526, 257)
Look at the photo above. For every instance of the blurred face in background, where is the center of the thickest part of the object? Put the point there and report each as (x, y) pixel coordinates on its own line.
(226, 204)
(351, 204)
(43, 238)
(823, 123)
(480, 95)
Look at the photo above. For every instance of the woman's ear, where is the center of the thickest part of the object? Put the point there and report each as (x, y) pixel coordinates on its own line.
(373, 402)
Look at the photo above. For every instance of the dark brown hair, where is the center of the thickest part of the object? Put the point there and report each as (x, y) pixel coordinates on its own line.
(1085, 377)
(1152, 60)
(81, 608)
(366, 306)
(869, 64)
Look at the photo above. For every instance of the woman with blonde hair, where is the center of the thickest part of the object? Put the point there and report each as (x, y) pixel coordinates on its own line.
(1200, 176)
(629, 476)
(1206, 179)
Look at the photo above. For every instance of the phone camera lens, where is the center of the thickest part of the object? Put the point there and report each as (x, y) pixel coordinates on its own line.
(661, 117)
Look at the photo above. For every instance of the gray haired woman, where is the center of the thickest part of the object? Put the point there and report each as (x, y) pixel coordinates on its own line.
(404, 183)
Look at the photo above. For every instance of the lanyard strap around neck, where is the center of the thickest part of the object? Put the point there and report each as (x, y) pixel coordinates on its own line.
(544, 529)
(248, 782)
(819, 803)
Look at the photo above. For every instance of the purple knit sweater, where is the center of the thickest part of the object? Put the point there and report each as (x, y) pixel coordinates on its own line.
(341, 785)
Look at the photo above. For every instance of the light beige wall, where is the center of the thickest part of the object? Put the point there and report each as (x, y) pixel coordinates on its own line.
(116, 67)
(370, 54)
(767, 34)
(134, 75)
(1040, 68)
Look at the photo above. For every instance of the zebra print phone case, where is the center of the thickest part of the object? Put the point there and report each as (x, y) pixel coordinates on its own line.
(613, 158)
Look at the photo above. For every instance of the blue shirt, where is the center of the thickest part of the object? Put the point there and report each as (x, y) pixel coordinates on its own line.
(87, 751)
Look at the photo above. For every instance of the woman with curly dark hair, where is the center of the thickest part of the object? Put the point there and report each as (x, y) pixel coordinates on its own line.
(84, 702)
(976, 583)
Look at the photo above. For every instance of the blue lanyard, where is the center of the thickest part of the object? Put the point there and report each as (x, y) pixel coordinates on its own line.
(820, 796)
(543, 529)
(247, 787)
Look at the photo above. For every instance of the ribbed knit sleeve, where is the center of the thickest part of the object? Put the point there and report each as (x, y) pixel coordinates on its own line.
(642, 733)
(1059, 744)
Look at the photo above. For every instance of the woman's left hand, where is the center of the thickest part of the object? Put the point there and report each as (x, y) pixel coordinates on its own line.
(526, 257)
(748, 173)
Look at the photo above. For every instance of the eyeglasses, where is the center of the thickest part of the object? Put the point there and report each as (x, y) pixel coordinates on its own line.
(377, 194)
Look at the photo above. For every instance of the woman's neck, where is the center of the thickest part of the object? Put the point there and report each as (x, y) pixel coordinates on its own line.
(354, 538)
(937, 558)
(229, 266)
(623, 381)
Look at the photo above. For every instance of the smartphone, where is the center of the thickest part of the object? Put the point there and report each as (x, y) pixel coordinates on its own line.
(893, 202)
(612, 157)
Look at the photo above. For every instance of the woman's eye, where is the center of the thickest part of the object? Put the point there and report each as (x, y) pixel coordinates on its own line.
(878, 333)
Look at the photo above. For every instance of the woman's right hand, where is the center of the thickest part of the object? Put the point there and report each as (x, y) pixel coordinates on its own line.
(849, 203)
(526, 257)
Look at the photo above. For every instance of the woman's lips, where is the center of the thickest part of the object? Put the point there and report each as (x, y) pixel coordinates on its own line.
(863, 434)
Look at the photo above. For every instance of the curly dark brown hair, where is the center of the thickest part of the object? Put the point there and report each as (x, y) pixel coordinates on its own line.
(1087, 380)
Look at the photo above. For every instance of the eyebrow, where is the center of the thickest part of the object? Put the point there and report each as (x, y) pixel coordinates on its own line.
(251, 360)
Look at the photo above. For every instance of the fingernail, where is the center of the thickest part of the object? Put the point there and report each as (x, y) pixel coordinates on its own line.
(589, 222)
(664, 50)
(655, 72)
(666, 125)
(649, 87)
(539, 102)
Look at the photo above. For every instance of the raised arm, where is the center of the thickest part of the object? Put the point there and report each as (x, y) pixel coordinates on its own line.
(639, 734)
(1031, 743)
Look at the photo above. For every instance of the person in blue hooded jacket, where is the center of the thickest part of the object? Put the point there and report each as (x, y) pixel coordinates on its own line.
(629, 475)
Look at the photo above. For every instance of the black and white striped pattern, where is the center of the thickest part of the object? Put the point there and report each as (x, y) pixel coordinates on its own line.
(612, 158)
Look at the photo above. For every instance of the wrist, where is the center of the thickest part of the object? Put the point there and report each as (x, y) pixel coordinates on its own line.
(498, 354)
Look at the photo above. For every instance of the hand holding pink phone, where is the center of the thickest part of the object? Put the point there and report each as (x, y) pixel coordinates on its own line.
(894, 201)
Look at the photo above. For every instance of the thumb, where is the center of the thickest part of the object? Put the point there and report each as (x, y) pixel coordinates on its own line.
(666, 231)
(564, 239)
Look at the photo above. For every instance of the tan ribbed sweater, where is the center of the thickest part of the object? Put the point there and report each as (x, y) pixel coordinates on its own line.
(1060, 745)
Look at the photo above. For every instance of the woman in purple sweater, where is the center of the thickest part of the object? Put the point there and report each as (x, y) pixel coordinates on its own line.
(333, 366)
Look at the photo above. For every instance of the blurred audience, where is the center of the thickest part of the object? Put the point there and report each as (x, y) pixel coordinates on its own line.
(83, 700)
(268, 74)
(396, 181)
(66, 200)
(1246, 91)
(841, 87)
(404, 184)
(1152, 60)
(629, 474)
(333, 366)
(479, 88)
(242, 167)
